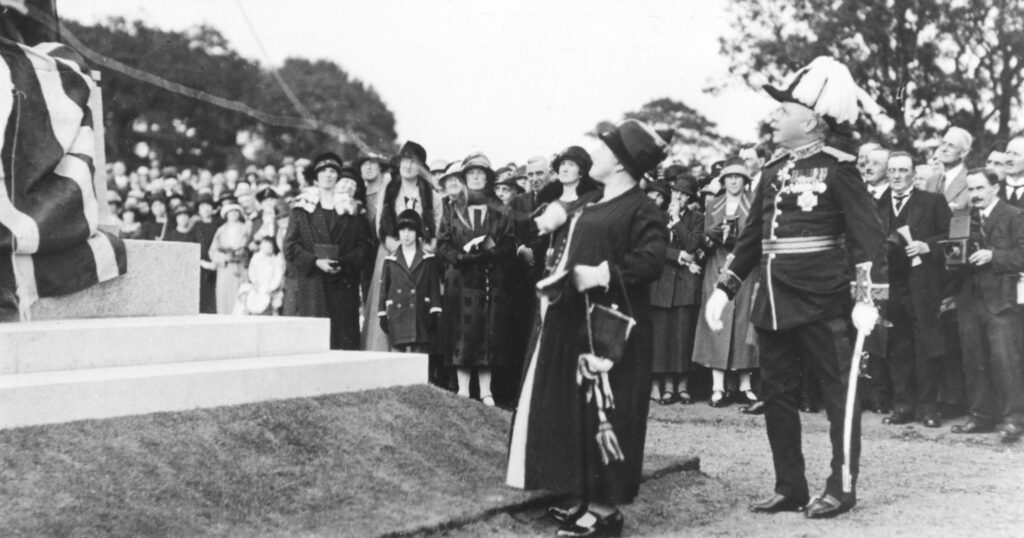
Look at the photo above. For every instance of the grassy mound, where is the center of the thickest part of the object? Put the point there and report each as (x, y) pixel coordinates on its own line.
(354, 464)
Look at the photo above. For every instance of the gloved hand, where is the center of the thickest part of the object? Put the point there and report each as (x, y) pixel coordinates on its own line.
(865, 316)
(713, 237)
(384, 325)
(713, 310)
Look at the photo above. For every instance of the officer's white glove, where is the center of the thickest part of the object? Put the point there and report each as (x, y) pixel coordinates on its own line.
(713, 312)
(865, 316)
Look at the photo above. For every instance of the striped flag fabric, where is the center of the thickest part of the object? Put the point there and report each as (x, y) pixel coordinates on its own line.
(50, 241)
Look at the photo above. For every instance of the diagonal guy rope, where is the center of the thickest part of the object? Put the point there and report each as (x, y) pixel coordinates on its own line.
(309, 123)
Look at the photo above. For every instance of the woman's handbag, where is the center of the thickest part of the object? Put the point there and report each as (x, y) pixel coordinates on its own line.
(608, 333)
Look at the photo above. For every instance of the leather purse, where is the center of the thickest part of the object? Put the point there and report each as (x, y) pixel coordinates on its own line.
(608, 329)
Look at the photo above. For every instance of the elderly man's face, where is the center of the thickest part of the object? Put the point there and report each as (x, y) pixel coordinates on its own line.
(791, 125)
(950, 151)
(537, 174)
(875, 168)
(1015, 157)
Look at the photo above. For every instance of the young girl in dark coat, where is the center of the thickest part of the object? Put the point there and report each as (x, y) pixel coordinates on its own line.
(410, 290)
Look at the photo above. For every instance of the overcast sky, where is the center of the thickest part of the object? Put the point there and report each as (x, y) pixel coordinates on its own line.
(509, 78)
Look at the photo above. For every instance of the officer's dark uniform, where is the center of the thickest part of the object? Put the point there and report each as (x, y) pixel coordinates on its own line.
(810, 222)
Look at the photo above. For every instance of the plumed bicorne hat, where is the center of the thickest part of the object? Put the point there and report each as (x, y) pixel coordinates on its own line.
(637, 146)
(827, 87)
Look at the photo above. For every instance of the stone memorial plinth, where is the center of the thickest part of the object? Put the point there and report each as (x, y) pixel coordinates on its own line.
(162, 280)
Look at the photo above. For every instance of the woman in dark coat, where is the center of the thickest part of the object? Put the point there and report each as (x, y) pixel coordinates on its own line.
(477, 241)
(675, 296)
(327, 246)
(615, 247)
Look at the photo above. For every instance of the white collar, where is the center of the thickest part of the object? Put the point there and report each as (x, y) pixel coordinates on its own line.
(905, 194)
(988, 210)
(877, 191)
(955, 171)
(1015, 182)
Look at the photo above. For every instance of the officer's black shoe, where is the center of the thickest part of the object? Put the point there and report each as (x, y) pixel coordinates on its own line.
(899, 417)
(828, 505)
(1010, 433)
(778, 503)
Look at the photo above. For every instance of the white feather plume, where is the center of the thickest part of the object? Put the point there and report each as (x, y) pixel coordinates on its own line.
(827, 87)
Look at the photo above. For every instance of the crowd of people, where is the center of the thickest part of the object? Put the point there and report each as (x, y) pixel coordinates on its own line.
(251, 264)
(467, 262)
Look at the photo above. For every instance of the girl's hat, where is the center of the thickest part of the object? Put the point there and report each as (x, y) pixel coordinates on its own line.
(229, 207)
(410, 219)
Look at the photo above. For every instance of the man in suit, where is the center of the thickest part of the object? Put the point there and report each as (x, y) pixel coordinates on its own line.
(1012, 165)
(990, 314)
(951, 153)
(916, 268)
(877, 392)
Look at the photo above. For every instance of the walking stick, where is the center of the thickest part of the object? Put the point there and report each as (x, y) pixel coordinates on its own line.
(851, 401)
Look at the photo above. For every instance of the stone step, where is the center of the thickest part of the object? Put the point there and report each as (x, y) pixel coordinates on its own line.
(63, 396)
(42, 346)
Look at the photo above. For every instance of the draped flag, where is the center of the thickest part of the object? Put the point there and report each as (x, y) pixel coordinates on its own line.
(50, 242)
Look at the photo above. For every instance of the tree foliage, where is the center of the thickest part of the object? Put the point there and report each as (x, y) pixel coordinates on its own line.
(695, 137)
(928, 63)
(186, 131)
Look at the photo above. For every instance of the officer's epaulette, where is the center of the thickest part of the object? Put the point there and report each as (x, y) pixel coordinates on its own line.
(839, 154)
(779, 156)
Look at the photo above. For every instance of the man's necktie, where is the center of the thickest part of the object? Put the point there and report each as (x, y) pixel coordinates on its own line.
(899, 201)
(477, 218)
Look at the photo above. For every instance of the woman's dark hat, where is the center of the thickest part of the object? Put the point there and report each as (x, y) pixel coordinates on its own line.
(577, 155)
(412, 150)
(182, 210)
(672, 172)
(410, 219)
(479, 160)
(637, 146)
(266, 193)
(663, 189)
(511, 182)
(324, 160)
(374, 157)
(686, 184)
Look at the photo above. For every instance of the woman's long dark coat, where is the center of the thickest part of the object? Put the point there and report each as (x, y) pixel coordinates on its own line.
(308, 291)
(553, 439)
(475, 321)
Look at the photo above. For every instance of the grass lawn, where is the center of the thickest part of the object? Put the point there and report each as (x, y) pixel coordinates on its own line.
(389, 462)
(352, 464)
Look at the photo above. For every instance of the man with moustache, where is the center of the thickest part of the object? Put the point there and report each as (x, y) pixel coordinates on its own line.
(951, 154)
(863, 151)
(1012, 166)
(916, 270)
(810, 222)
(990, 312)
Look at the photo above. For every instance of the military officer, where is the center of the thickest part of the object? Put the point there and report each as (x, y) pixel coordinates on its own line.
(811, 222)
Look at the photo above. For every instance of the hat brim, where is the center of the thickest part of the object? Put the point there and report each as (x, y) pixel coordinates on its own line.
(779, 94)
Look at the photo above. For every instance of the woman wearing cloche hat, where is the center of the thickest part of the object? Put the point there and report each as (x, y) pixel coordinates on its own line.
(327, 246)
(608, 247)
(476, 239)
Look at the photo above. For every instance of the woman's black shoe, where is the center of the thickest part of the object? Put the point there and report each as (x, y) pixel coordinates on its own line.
(567, 515)
(603, 526)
